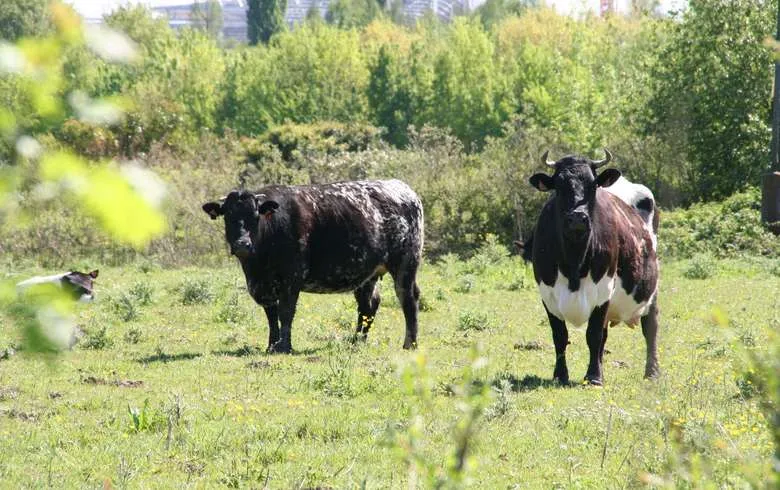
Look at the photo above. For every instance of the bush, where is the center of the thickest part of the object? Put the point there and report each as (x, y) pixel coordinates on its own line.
(326, 137)
(141, 292)
(231, 311)
(725, 229)
(701, 267)
(97, 339)
(195, 291)
(125, 307)
(91, 141)
(473, 320)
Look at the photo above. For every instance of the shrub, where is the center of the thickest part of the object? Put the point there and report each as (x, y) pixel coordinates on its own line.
(89, 140)
(125, 307)
(97, 339)
(194, 291)
(133, 336)
(328, 137)
(701, 267)
(724, 229)
(146, 419)
(473, 320)
(231, 311)
(141, 292)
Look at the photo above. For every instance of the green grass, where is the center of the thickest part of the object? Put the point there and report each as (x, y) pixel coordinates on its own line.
(180, 392)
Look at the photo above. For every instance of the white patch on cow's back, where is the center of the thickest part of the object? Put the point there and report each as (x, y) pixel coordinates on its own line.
(631, 194)
(575, 307)
(56, 279)
(623, 307)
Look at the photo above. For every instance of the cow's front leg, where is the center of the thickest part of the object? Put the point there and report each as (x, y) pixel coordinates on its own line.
(596, 339)
(272, 313)
(287, 305)
(561, 340)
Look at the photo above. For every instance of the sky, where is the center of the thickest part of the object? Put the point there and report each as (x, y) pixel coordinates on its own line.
(97, 8)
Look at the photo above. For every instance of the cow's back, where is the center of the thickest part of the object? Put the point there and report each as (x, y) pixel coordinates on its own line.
(348, 232)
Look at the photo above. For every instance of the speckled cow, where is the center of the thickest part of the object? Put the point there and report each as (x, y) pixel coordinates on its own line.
(327, 238)
(594, 258)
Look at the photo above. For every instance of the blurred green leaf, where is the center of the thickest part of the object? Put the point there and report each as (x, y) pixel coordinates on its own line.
(44, 314)
(7, 121)
(106, 195)
(11, 58)
(94, 111)
(67, 21)
(110, 44)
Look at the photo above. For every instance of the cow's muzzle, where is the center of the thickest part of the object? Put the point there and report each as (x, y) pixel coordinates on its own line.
(241, 248)
(576, 224)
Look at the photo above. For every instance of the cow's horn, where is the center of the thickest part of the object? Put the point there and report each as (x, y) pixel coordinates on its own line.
(546, 161)
(601, 163)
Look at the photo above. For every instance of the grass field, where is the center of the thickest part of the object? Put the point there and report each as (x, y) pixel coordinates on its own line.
(171, 387)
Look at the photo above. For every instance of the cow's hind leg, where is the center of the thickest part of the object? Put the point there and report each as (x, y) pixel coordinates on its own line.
(368, 300)
(272, 313)
(561, 340)
(409, 296)
(650, 331)
(595, 337)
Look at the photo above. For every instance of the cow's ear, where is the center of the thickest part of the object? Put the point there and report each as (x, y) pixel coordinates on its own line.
(608, 177)
(213, 209)
(267, 208)
(94, 274)
(543, 182)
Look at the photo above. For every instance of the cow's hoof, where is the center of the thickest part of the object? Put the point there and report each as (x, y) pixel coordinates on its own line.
(592, 381)
(279, 348)
(561, 376)
(358, 338)
(652, 373)
(409, 345)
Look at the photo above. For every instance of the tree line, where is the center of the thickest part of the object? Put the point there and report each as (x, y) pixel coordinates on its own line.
(683, 101)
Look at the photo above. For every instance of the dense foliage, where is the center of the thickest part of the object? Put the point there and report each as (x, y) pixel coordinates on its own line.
(461, 111)
(264, 19)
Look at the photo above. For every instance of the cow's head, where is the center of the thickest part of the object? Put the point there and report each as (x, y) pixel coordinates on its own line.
(80, 284)
(575, 181)
(242, 212)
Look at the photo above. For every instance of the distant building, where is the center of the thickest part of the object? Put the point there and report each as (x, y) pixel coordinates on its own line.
(297, 10)
(233, 14)
(445, 10)
(179, 12)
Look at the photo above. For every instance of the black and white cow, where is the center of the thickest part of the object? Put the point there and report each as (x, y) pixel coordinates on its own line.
(327, 238)
(79, 285)
(594, 258)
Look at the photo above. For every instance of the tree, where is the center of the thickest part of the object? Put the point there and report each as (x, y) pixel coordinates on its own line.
(712, 94)
(314, 15)
(20, 18)
(264, 19)
(139, 24)
(353, 13)
(388, 99)
(492, 12)
(208, 16)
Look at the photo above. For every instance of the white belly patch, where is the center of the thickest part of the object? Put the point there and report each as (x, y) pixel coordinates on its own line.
(575, 307)
(623, 307)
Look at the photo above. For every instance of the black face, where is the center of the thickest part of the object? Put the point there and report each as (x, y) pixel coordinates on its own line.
(575, 183)
(242, 214)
